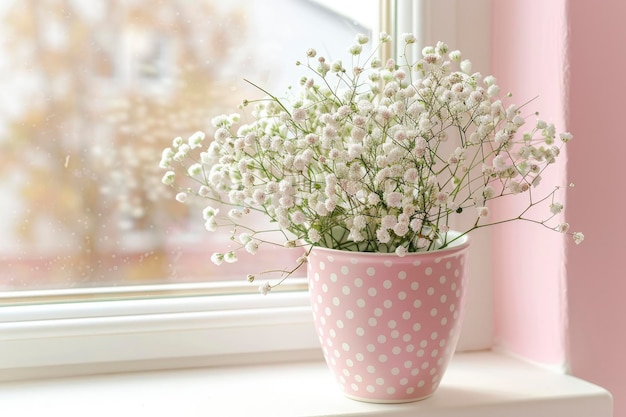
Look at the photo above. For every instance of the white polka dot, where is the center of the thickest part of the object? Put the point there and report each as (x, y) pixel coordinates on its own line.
(391, 390)
(349, 363)
(442, 279)
(396, 350)
(378, 312)
(370, 389)
(345, 270)
(371, 369)
(395, 371)
(453, 286)
(359, 357)
(448, 265)
(434, 335)
(433, 312)
(336, 301)
(345, 346)
(424, 343)
(371, 271)
(358, 282)
(415, 286)
(401, 295)
(443, 298)
(387, 284)
(322, 265)
(337, 353)
(360, 303)
(420, 353)
(417, 303)
(404, 381)
(421, 383)
(406, 315)
(324, 287)
(434, 353)
(382, 358)
(370, 348)
(333, 277)
(349, 314)
(417, 327)
(339, 324)
(452, 307)
(327, 311)
(358, 378)
(456, 273)
(354, 387)
(345, 290)
(417, 263)
(444, 321)
(345, 372)
(381, 339)
(425, 365)
(428, 271)
(406, 337)
(415, 371)
(372, 292)
(380, 381)
(372, 321)
(408, 364)
(410, 390)
(392, 324)
(316, 276)
(387, 304)
(388, 264)
(402, 275)
(430, 291)
(360, 331)
(395, 334)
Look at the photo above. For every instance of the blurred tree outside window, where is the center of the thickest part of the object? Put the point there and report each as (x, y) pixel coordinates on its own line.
(92, 93)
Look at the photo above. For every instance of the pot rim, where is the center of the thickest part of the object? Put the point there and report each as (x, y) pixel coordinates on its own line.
(458, 245)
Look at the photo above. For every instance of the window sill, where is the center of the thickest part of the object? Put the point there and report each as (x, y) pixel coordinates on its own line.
(477, 384)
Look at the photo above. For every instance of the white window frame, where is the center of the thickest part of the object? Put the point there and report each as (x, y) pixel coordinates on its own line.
(155, 327)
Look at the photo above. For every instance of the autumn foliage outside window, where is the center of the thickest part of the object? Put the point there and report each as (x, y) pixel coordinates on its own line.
(93, 92)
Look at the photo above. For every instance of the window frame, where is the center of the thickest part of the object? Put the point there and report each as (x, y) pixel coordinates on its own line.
(70, 332)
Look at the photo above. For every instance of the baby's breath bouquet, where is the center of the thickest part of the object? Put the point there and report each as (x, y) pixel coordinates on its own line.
(375, 157)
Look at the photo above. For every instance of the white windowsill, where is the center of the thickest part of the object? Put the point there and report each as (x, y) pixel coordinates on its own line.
(479, 384)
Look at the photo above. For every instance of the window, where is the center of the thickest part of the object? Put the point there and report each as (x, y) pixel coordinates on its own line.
(110, 76)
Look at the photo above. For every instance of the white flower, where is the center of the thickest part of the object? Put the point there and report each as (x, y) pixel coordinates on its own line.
(482, 211)
(252, 247)
(555, 208)
(382, 235)
(210, 224)
(195, 140)
(401, 251)
(578, 238)
(562, 227)
(264, 288)
(181, 197)
(408, 38)
(210, 212)
(217, 258)
(169, 178)
(230, 257)
(313, 236)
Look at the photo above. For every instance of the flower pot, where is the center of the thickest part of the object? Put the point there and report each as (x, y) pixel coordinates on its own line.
(388, 325)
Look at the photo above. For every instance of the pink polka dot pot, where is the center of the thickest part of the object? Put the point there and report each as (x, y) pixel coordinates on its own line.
(388, 325)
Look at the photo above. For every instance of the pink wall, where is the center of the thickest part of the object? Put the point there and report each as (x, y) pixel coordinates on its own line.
(529, 296)
(536, 317)
(596, 275)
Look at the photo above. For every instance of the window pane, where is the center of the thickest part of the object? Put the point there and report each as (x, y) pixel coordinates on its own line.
(92, 93)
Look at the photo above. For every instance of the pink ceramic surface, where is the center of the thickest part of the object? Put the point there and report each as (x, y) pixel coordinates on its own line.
(388, 326)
